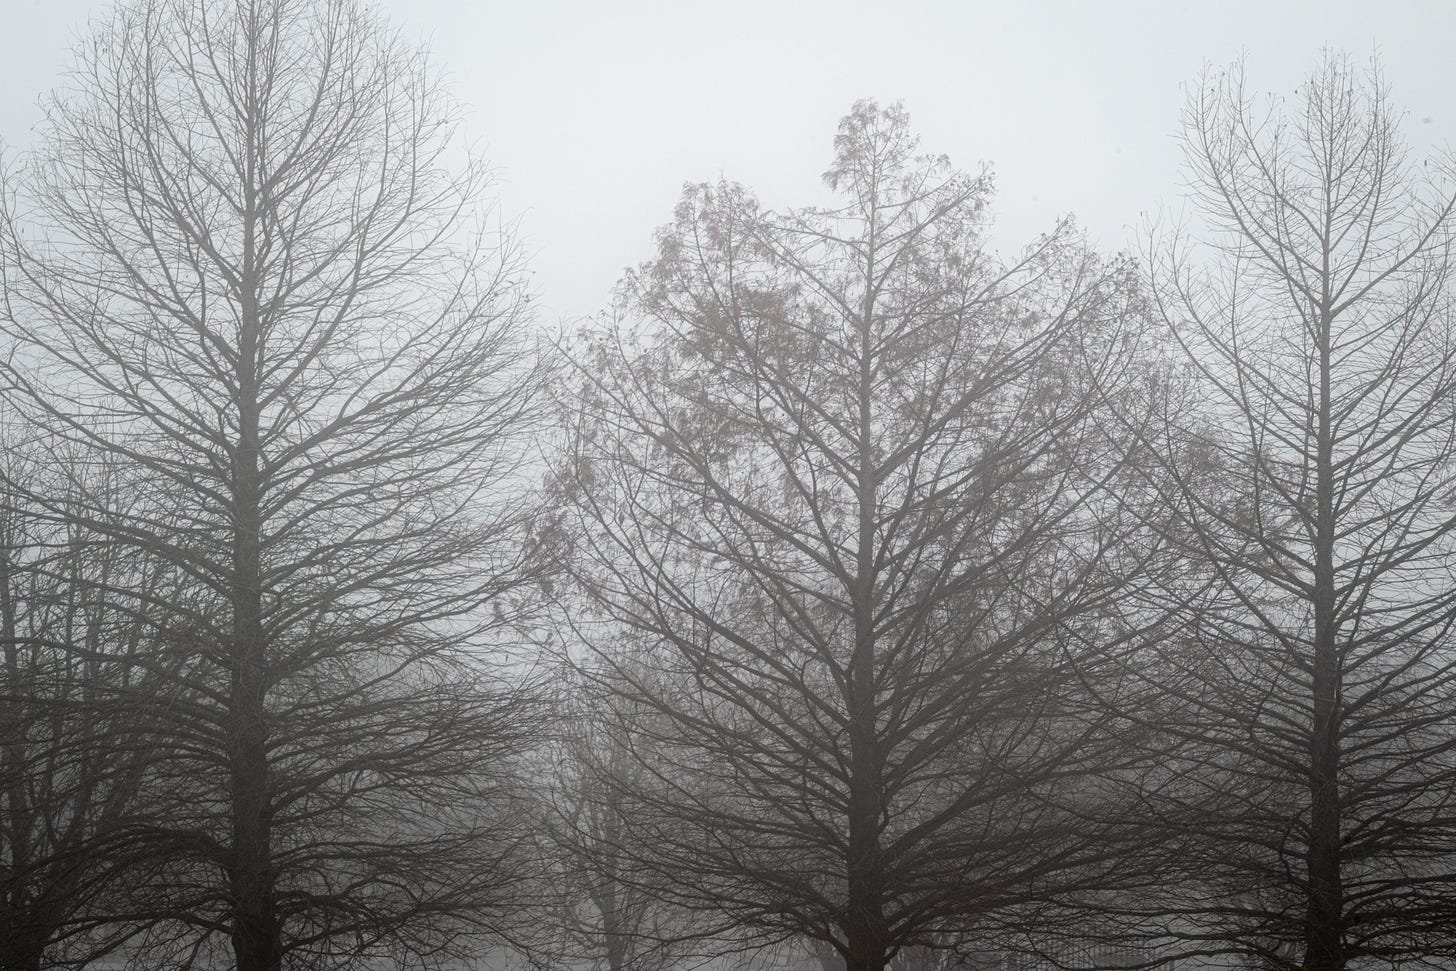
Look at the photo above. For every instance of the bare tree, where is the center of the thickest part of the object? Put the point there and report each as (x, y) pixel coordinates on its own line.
(240, 267)
(838, 495)
(75, 754)
(610, 914)
(1307, 664)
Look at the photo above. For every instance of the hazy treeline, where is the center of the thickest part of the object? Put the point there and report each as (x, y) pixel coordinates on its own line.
(849, 586)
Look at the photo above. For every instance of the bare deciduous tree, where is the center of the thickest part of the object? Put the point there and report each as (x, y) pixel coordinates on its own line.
(609, 913)
(241, 268)
(74, 753)
(1309, 670)
(839, 496)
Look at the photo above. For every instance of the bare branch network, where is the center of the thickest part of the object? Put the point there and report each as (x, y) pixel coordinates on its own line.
(849, 594)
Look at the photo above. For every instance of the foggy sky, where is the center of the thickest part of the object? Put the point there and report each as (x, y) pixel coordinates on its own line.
(593, 114)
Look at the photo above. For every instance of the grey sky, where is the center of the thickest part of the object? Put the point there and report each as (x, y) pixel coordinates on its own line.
(595, 113)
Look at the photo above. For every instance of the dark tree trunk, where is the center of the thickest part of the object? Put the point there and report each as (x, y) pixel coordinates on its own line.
(256, 933)
(22, 942)
(256, 938)
(1324, 936)
(864, 926)
(22, 956)
(22, 948)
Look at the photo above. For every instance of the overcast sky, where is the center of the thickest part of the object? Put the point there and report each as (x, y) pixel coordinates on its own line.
(595, 113)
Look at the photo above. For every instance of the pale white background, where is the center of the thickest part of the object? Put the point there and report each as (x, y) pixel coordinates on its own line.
(595, 113)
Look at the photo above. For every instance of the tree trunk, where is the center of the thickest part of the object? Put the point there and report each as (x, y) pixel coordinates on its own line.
(256, 939)
(1324, 936)
(21, 950)
(864, 928)
(256, 934)
(21, 945)
(865, 956)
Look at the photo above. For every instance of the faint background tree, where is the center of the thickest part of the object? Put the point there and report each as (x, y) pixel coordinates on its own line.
(609, 915)
(75, 749)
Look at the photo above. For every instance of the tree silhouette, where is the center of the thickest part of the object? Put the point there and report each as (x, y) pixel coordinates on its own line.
(839, 499)
(1307, 666)
(240, 267)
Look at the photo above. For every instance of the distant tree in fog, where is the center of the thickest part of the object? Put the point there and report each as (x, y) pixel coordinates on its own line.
(75, 748)
(608, 913)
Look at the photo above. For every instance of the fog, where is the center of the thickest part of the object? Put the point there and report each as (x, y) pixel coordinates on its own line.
(727, 487)
(594, 114)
